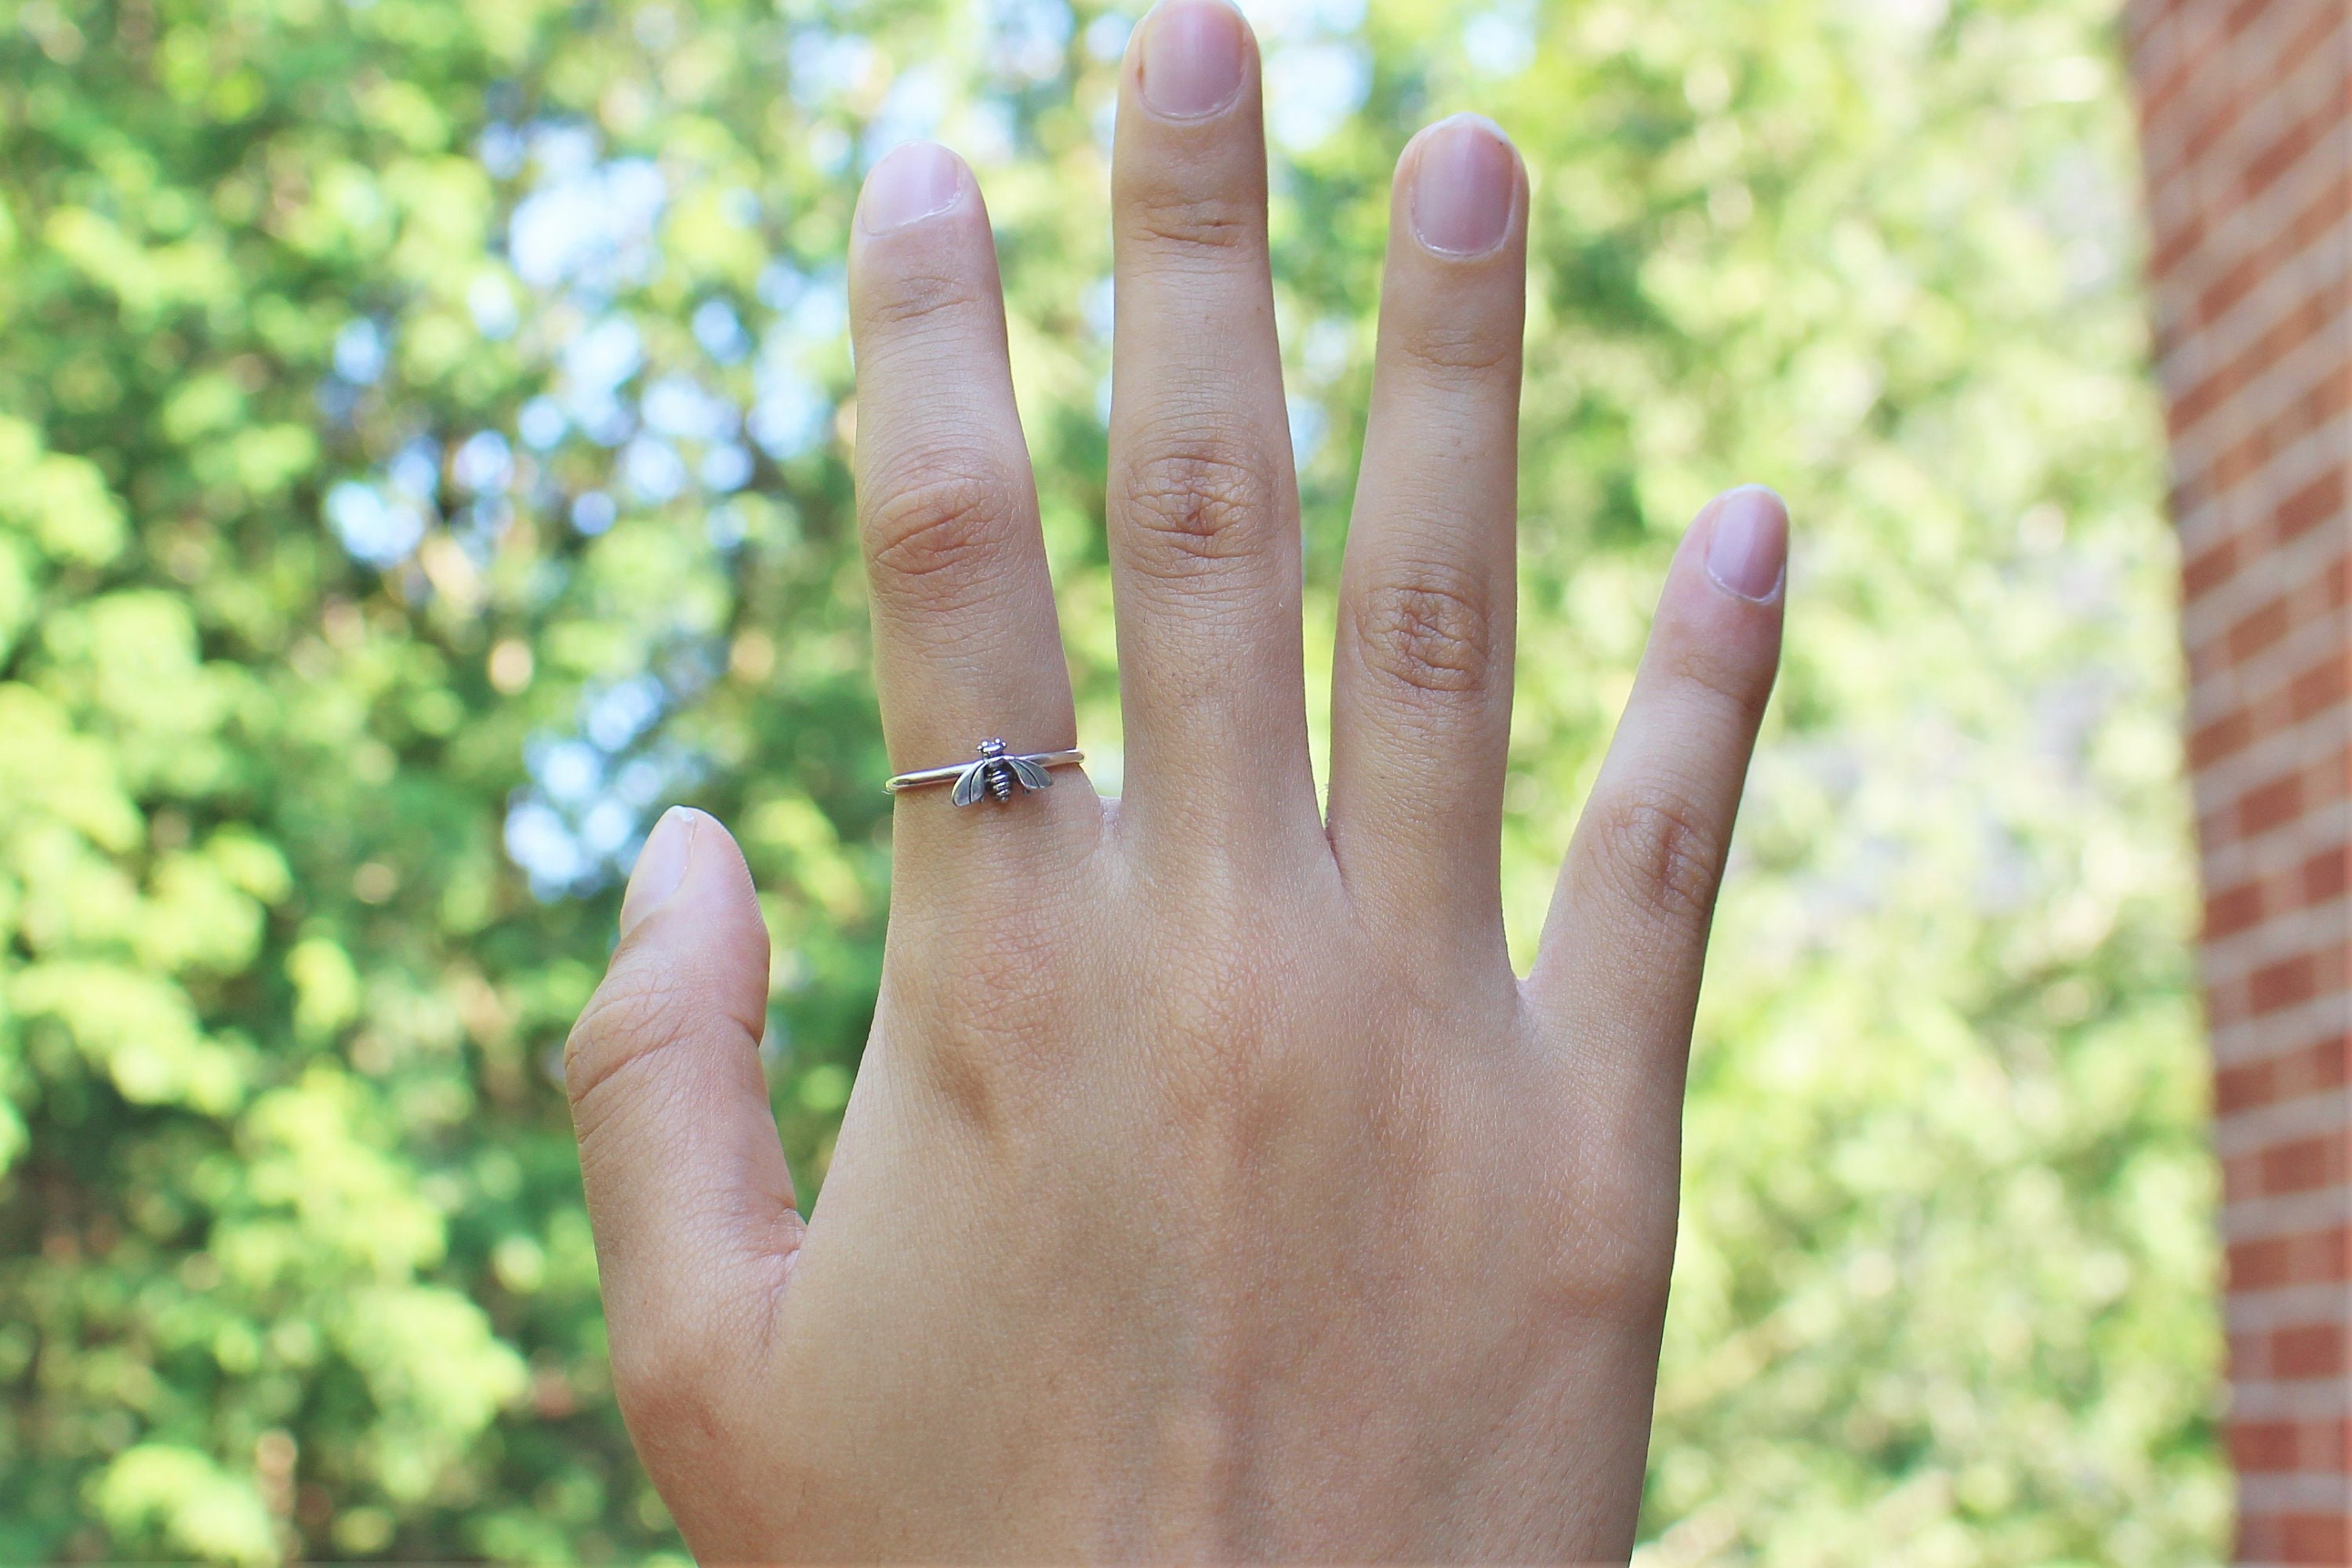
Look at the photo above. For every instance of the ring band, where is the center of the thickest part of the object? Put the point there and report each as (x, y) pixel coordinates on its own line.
(922, 778)
(997, 773)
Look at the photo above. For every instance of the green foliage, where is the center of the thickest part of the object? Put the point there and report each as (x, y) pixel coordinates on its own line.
(425, 455)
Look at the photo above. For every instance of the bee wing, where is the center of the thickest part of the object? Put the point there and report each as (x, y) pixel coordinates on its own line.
(971, 784)
(1031, 772)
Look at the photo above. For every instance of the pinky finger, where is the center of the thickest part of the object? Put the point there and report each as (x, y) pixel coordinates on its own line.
(1618, 969)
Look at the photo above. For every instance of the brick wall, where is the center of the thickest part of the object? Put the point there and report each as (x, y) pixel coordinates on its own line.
(2248, 151)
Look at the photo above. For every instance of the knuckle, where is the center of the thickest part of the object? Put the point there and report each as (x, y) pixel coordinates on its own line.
(936, 534)
(1662, 853)
(917, 296)
(627, 1021)
(1010, 1005)
(639, 1013)
(1611, 1272)
(1007, 1035)
(1722, 677)
(1613, 1240)
(1182, 225)
(1456, 351)
(1226, 975)
(1195, 500)
(1428, 630)
(672, 1389)
(1247, 1070)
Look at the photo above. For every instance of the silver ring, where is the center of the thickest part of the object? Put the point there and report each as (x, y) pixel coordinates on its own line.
(995, 776)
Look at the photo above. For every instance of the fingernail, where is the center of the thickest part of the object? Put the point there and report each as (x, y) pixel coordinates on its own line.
(1750, 549)
(661, 864)
(1462, 187)
(1191, 64)
(912, 182)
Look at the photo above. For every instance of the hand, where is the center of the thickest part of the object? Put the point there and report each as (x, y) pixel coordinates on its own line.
(1212, 1187)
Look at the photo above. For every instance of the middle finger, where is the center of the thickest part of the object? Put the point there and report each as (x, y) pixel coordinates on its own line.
(1203, 510)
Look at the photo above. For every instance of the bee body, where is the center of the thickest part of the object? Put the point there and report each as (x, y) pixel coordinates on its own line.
(996, 775)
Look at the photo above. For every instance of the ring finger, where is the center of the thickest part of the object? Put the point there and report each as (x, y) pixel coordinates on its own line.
(967, 646)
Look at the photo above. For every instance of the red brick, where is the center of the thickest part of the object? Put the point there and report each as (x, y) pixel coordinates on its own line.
(2244, 1088)
(2242, 16)
(2264, 1446)
(2322, 1537)
(2235, 909)
(2172, 248)
(2314, 1069)
(2327, 875)
(2269, 806)
(2302, 1165)
(2284, 984)
(2292, 1538)
(2313, 504)
(2223, 737)
(2307, 1351)
(2317, 690)
(2330, 1062)
(2258, 630)
(2306, 1258)
(2209, 570)
(2262, 1264)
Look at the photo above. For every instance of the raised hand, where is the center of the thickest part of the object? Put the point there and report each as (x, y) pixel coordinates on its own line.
(1212, 1187)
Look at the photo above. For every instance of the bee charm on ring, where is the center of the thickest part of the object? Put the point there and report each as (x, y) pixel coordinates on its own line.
(999, 774)
(996, 775)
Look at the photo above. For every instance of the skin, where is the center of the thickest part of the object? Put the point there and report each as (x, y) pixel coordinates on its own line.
(1212, 1187)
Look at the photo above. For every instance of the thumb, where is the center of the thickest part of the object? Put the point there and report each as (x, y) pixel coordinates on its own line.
(688, 1190)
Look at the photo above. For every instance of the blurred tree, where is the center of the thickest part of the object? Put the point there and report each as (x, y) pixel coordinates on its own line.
(424, 456)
